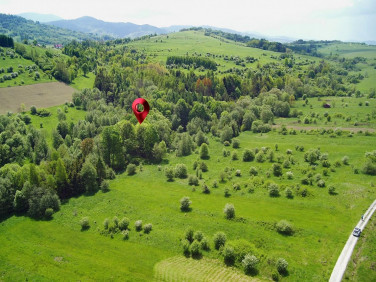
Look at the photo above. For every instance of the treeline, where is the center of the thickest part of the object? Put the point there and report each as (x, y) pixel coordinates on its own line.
(6, 41)
(267, 45)
(194, 62)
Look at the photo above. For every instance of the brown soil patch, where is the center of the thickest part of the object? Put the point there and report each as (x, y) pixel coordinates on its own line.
(41, 95)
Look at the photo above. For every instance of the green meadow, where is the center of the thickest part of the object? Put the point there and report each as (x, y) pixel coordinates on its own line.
(58, 249)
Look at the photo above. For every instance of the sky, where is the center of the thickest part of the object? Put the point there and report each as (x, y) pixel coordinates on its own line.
(347, 20)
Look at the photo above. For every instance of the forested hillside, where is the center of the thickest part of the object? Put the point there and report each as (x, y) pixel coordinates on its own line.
(26, 30)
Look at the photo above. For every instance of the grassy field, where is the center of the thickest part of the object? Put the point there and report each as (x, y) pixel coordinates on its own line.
(47, 124)
(362, 266)
(24, 78)
(188, 42)
(322, 222)
(345, 112)
(81, 82)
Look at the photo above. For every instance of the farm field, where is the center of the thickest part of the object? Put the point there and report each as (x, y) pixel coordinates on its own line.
(41, 95)
(322, 222)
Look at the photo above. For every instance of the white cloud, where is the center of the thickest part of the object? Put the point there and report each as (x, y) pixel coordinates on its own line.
(296, 18)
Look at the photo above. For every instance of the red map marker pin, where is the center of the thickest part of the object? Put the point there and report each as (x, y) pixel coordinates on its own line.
(140, 115)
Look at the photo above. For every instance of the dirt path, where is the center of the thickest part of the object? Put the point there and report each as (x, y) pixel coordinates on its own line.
(41, 95)
(353, 129)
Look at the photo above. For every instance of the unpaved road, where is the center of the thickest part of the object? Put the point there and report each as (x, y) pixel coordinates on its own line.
(344, 258)
(352, 129)
(41, 95)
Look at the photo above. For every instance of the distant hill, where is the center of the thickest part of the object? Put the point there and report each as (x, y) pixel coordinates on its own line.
(119, 29)
(20, 29)
(43, 18)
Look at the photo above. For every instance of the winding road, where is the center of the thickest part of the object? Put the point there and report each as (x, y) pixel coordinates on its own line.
(343, 259)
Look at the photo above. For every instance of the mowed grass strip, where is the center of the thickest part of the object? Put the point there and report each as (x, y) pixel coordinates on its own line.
(41, 95)
(179, 268)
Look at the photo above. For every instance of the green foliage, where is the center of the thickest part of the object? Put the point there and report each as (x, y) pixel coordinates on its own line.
(123, 223)
(282, 265)
(219, 240)
(285, 227)
(277, 169)
(185, 203)
(228, 255)
(273, 189)
(180, 171)
(138, 225)
(131, 169)
(85, 224)
(169, 172)
(248, 156)
(204, 151)
(195, 249)
(147, 228)
(250, 263)
(229, 211)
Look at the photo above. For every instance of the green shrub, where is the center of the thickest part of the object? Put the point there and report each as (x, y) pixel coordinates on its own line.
(250, 263)
(228, 255)
(204, 151)
(186, 244)
(289, 175)
(115, 220)
(369, 168)
(219, 240)
(227, 192)
(181, 171)
(169, 172)
(215, 184)
(277, 169)
(203, 166)
(148, 227)
(205, 244)
(138, 225)
(253, 171)
(193, 180)
(248, 156)
(195, 249)
(106, 223)
(282, 266)
(235, 143)
(288, 193)
(238, 173)
(234, 156)
(85, 224)
(189, 234)
(105, 186)
(198, 236)
(125, 234)
(124, 223)
(332, 190)
(273, 190)
(185, 203)
(229, 211)
(131, 169)
(48, 213)
(345, 160)
(321, 183)
(205, 189)
(285, 227)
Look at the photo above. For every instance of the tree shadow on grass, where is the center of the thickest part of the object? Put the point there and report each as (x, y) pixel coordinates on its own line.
(197, 256)
(85, 228)
(252, 272)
